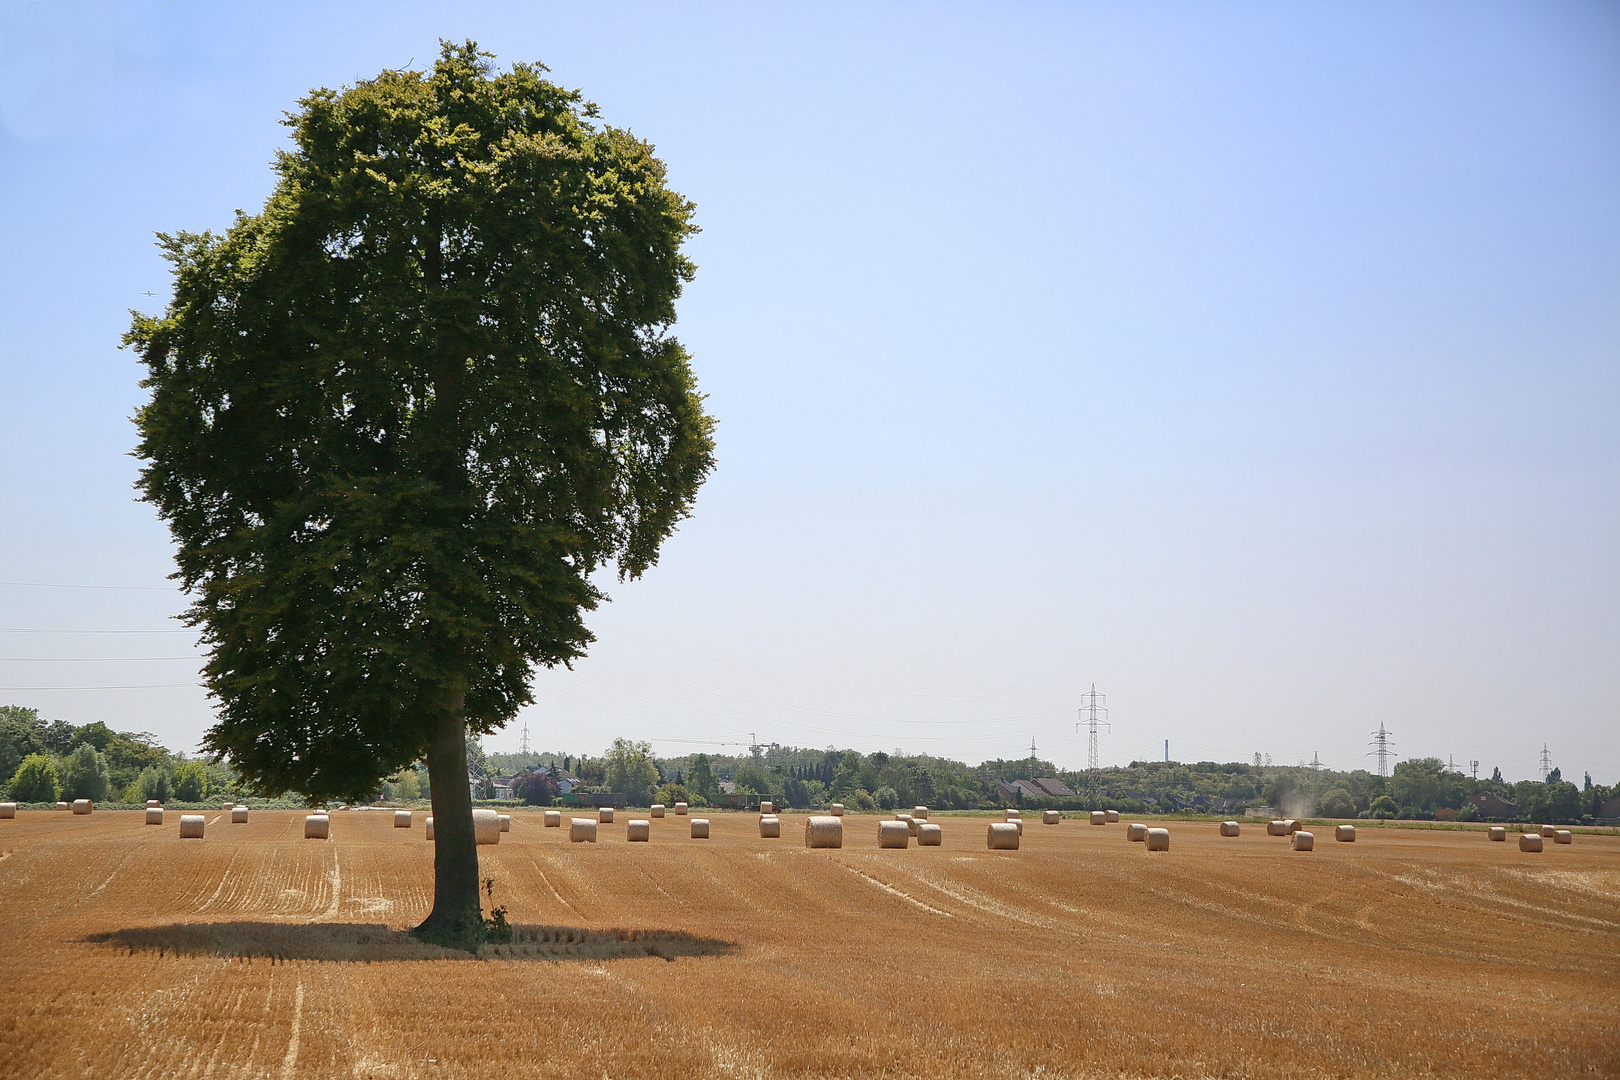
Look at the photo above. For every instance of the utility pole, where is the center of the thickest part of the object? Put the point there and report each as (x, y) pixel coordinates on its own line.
(1382, 749)
(1475, 765)
(1032, 757)
(1546, 762)
(523, 743)
(1094, 703)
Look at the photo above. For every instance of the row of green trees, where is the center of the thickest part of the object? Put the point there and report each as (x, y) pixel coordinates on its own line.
(46, 761)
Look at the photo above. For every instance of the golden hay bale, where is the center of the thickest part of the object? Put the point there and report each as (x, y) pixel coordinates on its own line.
(154, 814)
(1018, 823)
(1497, 832)
(836, 810)
(770, 826)
(228, 807)
(8, 810)
(1302, 841)
(766, 807)
(152, 802)
(1344, 834)
(920, 813)
(553, 819)
(1136, 832)
(1277, 828)
(63, 806)
(912, 825)
(1009, 814)
(506, 822)
(638, 830)
(1050, 817)
(1293, 826)
(824, 830)
(1563, 836)
(656, 810)
(1230, 828)
(893, 834)
(402, 819)
(1002, 836)
(930, 835)
(582, 830)
(238, 815)
(605, 815)
(1111, 816)
(700, 828)
(486, 827)
(680, 808)
(191, 826)
(1158, 840)
(316, 826)
(81, 806)
(1547, 831)
(1530, 842)
(1099, 817)
(902, 817)
(430, 827)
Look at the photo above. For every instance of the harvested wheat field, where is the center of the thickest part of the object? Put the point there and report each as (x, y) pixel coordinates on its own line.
(253, 952)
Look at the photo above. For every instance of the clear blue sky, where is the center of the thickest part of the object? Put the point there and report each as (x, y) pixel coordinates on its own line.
(1259, 363)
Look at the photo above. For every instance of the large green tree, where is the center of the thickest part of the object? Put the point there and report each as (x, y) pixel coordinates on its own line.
(402, 416)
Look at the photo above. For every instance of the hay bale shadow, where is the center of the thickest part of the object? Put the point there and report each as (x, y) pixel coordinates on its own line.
(371, 942)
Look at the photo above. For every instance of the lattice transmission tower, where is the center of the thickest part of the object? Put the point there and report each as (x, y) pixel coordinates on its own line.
(1094, 711)
(1382, 748)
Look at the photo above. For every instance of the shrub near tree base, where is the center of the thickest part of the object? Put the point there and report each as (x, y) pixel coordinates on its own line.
(35, 780)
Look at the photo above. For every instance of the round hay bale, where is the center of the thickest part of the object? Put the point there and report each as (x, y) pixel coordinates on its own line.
(63, 806)
(1563, 836)
(1498, 832)
(902, 817)
(1099, 817)
(770, 826)
(430, 827)
(8, 810)
(766, 807)
(1050, 817)
(680, 809)
(656, 810)
(317, 827)
(154, 814)
(1230, 828)
(1277, 828)
(605, 815)
(1344, 834)
(402, 819)
(1293, 826)
(582, 830)
(506, 822)
(920, 813)
(1111, 816)
(824, 831)
(1002, 836)
(1530, 842)
(486, 827)
(1302, 841)
(81, 806)
(893, 834)
(700, 828)
(1009, 814)
(836, 810)
(1136, 832)
(191, 826)
(151, 803)
(227, 808)
(638, 830)
(553, 819)
(930, 835)
(1018, 822)
(1158, 840)
(238, 815)
(1547, 831)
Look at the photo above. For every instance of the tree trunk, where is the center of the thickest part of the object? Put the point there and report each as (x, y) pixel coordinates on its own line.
(457, 913)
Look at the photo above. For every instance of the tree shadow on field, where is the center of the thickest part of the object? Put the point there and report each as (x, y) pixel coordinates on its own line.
(367, 942)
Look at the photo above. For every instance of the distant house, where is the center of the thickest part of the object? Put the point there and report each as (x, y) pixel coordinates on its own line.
(1492, 805)
(1609, 812)
(727, 787)
(1053, 787)
(1045, 788)
(503, 786)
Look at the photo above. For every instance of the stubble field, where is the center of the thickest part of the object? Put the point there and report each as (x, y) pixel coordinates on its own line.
(130, 953)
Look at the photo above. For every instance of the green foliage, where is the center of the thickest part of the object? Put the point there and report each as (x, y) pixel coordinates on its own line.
(401, 418)
(191, 782)
(754, 780)
(1337, 803)
(701, 781)
(1384, 807)
(629, 769)
(154, 783)
(21, 733)
(670, 794)
(35, 780)
(84, 774)
(887, 798)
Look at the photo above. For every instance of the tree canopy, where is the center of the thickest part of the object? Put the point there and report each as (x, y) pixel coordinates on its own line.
(401, 417)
